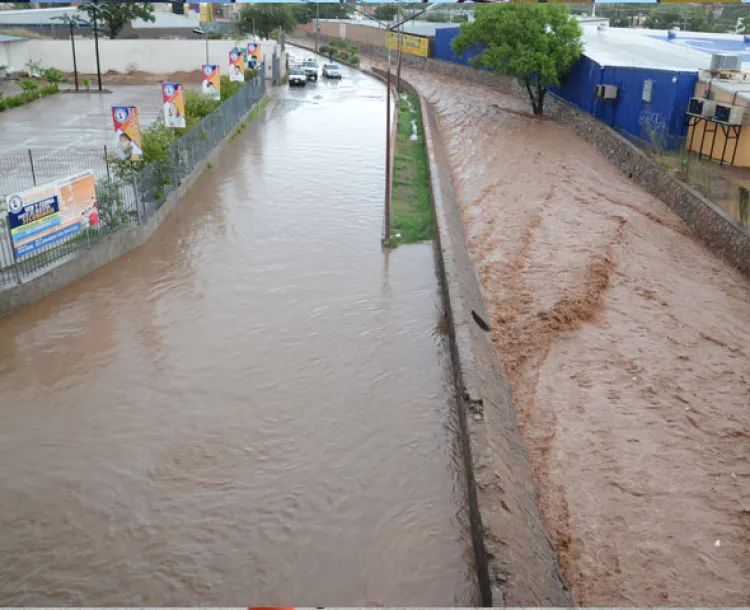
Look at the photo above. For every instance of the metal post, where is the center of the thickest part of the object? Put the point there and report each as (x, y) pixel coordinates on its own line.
(96, 47)
(725, 131)
(400, 53)
(106, 162)
(317, 28)
(75, 65)
(387, 229)
(206, 37)
(137, 198)
(31, 163)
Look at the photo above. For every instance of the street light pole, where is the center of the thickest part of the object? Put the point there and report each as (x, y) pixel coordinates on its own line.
(317, 28)
(387, 228)
(96, 47)
(75, 64)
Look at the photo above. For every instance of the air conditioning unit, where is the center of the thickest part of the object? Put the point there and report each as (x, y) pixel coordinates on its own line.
(699, 106)
(606, 92)
(722, 61)
(731, 115)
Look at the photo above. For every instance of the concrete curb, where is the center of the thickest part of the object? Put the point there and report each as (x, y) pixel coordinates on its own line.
(111, 247)
(515, 561)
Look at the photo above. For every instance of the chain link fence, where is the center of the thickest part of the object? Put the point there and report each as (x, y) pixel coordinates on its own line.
(124, 197)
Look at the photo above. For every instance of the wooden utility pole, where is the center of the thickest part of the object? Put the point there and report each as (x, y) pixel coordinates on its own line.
(387, 228)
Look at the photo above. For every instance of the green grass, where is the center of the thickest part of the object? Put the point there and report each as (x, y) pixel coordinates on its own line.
(412, 213)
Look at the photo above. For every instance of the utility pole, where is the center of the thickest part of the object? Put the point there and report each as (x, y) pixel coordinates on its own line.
(96, 45)
(73, 44)
(317, 28)
(387, 228)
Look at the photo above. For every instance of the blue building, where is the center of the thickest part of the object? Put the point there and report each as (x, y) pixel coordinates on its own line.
(655, 74)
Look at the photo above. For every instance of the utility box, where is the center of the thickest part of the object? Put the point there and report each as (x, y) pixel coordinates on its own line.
(606, 92)
(701, 107)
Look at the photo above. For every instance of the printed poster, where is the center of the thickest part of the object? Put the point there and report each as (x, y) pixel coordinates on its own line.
(236, 66)
(253, 52)
(127, 132)
(211, 86)
(173, 96)
(51, 213)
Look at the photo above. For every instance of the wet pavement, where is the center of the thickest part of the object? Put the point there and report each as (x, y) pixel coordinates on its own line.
(626, 345)
(257, 404)
(74, 121)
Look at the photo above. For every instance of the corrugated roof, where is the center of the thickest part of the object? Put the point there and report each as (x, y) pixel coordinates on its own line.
(641, 48)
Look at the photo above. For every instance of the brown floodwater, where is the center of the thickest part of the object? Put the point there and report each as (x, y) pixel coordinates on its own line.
(254, 407)
(627, 347)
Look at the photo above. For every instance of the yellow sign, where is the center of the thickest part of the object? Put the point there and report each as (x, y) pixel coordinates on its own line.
(416, 45)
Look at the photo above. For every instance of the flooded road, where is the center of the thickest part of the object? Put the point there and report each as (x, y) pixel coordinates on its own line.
(254, 406)
(626, 345)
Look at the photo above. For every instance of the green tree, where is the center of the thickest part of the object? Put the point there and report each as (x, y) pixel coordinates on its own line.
(332, 11)
(266, 18)
(115, 16)
(537, 43)
(385, 12)
(693, 18)
(302, 13)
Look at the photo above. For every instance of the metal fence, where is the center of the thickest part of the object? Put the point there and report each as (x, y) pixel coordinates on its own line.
(125, 197)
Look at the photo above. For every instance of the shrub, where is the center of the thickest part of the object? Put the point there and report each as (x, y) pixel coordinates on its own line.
(111, 204)
(325, 50)
(28, 85)
(53, 76)
(86, 82)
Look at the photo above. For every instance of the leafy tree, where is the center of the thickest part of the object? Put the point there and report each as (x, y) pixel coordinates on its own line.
(115, 16)
(267, 18)
(537, 43)
(332, 11)
(687, 17)
(302, 13)
(385, 12)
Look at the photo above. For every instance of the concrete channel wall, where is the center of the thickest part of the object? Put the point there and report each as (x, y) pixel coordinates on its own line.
(514, 557)
(109, 249)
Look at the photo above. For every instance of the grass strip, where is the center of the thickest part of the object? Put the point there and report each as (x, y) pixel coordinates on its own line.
(412, 213)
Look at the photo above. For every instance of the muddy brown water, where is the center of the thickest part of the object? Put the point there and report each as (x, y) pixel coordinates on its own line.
(253, 407)
(626, 344)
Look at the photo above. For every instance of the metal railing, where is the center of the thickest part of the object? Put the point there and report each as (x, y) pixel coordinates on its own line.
(124, 197)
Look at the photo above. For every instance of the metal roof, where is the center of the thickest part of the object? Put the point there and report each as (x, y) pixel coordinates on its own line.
(4, 38)
(641, 48)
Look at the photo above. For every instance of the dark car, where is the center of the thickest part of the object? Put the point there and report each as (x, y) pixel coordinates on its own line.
(331, 71)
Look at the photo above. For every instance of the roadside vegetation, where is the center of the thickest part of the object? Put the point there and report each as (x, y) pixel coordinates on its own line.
(412, 213)
(341, 51)
(33, 88)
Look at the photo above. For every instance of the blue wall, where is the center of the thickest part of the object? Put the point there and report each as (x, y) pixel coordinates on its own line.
(629, 113)
(664, 115)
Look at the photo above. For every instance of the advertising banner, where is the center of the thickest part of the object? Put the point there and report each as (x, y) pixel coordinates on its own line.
(127, 132)
(211, 85)
(416, 45)
(173, 95)
(236, 66)
(253, 53)
(52, 213)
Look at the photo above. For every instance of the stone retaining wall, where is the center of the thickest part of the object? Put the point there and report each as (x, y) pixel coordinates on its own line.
(723, 233)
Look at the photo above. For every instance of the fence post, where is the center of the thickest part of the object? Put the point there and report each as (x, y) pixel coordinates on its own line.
(13, 254)
(106, 162)
(31, 163)
(137, 198)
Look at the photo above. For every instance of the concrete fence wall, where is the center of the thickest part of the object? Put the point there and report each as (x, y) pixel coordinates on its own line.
(153, 56)
(351, 32)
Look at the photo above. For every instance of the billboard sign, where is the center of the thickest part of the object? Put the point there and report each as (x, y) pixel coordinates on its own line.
(416, 45)
(127, 132)
(51, 213)
(211, 85)
(236, 66)
(173, 96)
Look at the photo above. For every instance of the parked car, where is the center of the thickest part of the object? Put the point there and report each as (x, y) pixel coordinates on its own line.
(311, 69)
(331, 71)
(297, 77)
